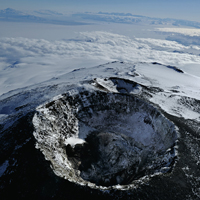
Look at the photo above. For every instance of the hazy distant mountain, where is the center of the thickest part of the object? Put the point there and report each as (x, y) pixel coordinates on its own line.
(13, 15)
(48, 12)
(10, 11)
(132, 19)
(42, 16)
(9, 14)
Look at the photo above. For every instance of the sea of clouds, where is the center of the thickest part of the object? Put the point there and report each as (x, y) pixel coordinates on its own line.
(26, 61)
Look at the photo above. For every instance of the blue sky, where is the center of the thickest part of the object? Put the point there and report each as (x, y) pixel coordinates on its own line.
(183, 9)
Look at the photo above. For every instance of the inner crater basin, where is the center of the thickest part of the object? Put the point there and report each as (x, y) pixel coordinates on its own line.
(104, 140)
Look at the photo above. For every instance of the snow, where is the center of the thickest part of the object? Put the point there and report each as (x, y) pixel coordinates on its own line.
(3, 167)
(155, 75)
(118, 85)
(134, 126)
(167, 78)
(73, 141)
(35, 71)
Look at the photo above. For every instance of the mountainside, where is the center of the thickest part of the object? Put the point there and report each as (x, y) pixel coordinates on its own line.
(114, 131)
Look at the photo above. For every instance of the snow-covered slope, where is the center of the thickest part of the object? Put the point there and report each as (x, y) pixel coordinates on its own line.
(173, 91)
(24, 61)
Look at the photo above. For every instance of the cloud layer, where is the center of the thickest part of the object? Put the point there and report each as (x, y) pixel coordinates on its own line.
(27, 61)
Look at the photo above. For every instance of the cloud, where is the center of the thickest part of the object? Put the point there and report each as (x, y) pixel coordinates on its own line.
(183, 36)
(97, 45)
(185, 39)
(184, 31)
(28, 61)
(176, 44)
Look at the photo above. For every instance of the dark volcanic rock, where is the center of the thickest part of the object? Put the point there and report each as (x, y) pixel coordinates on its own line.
(27, 174)
(112, 159)
(104, 139)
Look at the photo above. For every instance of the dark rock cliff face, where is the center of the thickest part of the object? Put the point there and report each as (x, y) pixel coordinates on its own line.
(103, 139)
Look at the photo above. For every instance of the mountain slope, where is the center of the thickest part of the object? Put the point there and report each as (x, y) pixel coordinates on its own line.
(25, 172)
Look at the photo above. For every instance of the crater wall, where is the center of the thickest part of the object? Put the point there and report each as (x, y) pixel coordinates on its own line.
(103, 139)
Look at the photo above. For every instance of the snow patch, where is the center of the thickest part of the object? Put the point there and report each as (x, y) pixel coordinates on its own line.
(73, 141)
(3, 167)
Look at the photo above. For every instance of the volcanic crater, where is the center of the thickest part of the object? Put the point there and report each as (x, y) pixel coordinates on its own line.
(103, 139)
